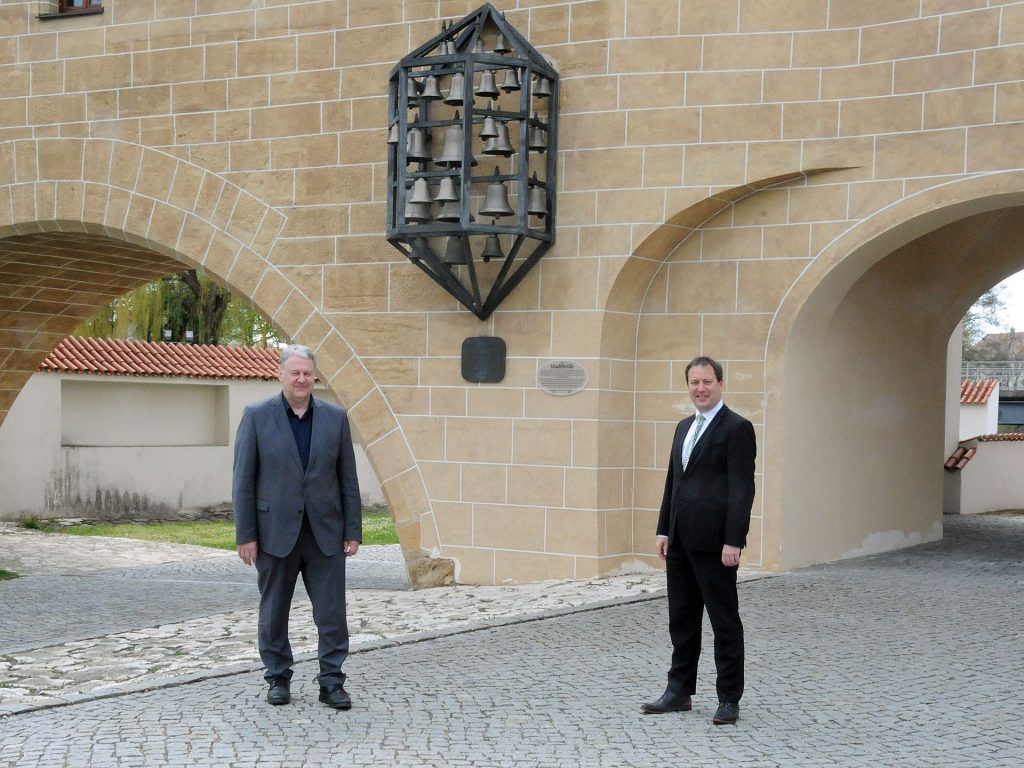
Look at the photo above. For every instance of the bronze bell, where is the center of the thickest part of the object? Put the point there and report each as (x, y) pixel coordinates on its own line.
(447, 192)
(416, 212)
(430, 90)
(455, 252)
(478, 46)
(488, 86)
(416, 148)
(542, 87)
(421, 192)
(492, 247)
(456, 90)
(393, 133)
(412, 92)
(451, 152)
(537, 199)
(500, 45)
(489, 129)
(536, 137)
(511, 81)
(419, 248)
(450, 211)
(500, 144)
(496, 199)
(446, 46)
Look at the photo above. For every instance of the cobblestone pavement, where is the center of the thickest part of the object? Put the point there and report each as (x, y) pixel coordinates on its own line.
(142, 584)
(906, 659)
(164, 614)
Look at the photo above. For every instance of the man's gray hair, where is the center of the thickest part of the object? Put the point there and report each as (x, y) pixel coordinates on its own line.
(297, 350)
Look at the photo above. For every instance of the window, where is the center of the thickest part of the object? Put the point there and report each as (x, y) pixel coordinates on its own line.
(70, 6)
(56, 9)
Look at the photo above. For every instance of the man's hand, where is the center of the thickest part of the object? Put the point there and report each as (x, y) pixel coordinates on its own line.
(350, 547)
(247, 552)
(661, 546)
(730, 555)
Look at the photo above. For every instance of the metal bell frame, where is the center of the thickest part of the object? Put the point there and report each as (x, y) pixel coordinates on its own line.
(414, 227)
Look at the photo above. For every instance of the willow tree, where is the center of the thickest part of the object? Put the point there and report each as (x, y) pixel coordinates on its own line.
(187, 302)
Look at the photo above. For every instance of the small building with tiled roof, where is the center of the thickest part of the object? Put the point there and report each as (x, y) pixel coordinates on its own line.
(112, 429)
(120, 357)
(979, 407)
(983, 468)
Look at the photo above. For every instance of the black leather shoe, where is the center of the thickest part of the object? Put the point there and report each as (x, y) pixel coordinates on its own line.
(728, 713)
(669, 702)
(334, 696)
(279, 692)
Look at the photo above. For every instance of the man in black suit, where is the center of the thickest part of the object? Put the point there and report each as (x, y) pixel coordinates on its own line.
(702, 528)
(298, 510)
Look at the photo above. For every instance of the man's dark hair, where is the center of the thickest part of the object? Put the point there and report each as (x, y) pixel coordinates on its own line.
(709, 361)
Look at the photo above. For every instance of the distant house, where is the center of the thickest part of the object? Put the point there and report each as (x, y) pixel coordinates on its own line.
(113, 429)
(979, 408)
(999, 346)
(983, 471)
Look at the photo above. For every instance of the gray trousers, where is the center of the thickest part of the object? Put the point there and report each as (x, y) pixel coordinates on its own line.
(324, 579)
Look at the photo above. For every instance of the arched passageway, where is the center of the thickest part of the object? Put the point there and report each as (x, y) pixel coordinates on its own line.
(857, 376)
(50, 282)
(85, 220)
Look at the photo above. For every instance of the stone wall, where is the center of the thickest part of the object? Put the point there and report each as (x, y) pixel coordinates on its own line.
(730, 174)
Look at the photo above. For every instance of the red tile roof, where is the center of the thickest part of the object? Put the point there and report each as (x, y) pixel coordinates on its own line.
(118, 357)
(1002, 437)
(976, 392)
(959, 458)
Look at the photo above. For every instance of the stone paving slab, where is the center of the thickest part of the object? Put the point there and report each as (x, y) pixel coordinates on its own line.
(30, 552)
(905, 659)
(171, 613)
(139, 659)
(121, 599)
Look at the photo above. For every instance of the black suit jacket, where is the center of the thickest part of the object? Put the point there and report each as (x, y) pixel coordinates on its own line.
(708, 504)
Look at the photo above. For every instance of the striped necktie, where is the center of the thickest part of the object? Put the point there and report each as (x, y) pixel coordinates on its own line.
(694, 436)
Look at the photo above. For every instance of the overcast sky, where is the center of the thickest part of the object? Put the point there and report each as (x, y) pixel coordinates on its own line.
(1013, 295)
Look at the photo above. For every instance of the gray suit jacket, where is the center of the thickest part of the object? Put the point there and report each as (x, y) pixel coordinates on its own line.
(270, 491)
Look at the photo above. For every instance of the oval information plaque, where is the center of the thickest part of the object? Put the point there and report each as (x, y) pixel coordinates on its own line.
(562, 377)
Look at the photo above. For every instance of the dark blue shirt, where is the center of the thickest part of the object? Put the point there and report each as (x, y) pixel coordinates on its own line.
(302, 429)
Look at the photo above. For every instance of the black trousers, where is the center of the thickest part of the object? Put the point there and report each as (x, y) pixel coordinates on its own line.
(324, 579)
(698, 580)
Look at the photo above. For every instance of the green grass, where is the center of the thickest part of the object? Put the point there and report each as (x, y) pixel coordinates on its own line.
(34, 523)
(7, 574)
(378, 529)
(219, 534)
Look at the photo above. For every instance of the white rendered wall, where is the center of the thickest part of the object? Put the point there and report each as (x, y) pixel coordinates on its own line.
(992, 480)
(127, 447)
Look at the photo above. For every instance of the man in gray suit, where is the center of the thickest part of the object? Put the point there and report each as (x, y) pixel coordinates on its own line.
(298, 510)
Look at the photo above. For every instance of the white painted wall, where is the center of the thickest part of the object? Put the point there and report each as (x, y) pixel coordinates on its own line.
(951, 480)
(992, 480)
(128, 447)
(981, 419)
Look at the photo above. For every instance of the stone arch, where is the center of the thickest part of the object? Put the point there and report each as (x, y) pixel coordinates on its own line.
(856, 360)
(650, 422)
(132, 214)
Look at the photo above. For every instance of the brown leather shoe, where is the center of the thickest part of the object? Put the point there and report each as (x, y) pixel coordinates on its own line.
(669, 702)
(728, 713)
(334, 696)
